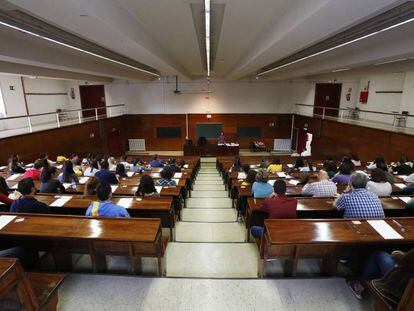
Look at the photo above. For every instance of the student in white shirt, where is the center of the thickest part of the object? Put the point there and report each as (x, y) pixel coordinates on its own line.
(379, 159)
(355, 159)
(124, 162)
(379, 184)
(91, 170)
(112, 163)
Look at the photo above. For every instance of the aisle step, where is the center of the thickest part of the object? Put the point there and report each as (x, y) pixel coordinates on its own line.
(208, 171)
(215, 260)
(208, 187)
(209, 194)
(208, 177)
(210, 232)
(209, 215)
(209, 203)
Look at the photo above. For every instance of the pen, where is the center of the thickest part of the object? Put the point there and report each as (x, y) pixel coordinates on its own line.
(398, 224)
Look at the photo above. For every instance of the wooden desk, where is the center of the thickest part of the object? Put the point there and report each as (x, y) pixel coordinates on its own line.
(292, 239)
(211, 150)
(64, 235)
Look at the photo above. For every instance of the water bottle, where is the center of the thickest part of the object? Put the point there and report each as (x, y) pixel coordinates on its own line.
(73, 184)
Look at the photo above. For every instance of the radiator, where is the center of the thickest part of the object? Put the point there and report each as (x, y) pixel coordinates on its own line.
(136, 144)
(282, 144)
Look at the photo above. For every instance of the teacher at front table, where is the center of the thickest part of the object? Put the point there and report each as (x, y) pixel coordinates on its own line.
(221, 139)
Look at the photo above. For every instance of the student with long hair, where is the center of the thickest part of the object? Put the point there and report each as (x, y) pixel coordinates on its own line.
(146, 187)
(236, 167)
(91, 186)
(68, 174)
(136, 166)
(49, 182)
(15, 167)
(120, 171)
(92, 169)
(35, 171)
(4, 192)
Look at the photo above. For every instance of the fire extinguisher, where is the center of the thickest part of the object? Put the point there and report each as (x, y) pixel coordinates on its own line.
(363, 96)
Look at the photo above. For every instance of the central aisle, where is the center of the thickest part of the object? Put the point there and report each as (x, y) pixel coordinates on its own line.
(209, 241)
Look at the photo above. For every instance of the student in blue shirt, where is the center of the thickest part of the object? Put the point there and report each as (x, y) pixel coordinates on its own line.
(105, 207)
(261, 188)
(105, 176)
(27, 202)
(156, 162)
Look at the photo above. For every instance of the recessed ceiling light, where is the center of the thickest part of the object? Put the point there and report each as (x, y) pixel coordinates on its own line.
(392, 61)
(207, 30)
(339, 70)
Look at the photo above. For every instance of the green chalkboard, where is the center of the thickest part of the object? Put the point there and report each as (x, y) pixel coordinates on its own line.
(208, 130)
(168, 132)
(249, 132)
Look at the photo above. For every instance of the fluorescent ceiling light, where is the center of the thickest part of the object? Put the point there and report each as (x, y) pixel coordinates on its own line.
(78, 49)
(339, 70)
(207, 29)
(338, 46)
(391, 61)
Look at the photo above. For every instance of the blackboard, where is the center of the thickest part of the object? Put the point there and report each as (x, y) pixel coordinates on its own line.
(249, 132)
(168, 132)
(208, 130)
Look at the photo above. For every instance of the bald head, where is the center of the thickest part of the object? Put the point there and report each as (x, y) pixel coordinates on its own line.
(322, 175)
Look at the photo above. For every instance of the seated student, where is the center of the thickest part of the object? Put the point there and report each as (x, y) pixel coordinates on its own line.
(322, 188)
(347, 160)
(27, 202)
(105, 207)
(146, 187)
(92, 169)
(358, 202)
(136, 166)
(120, 171)
(91, 186)
(378, 264)
(343, 175)
(250, 178)
(277, 206)
(156, 162)
(173, 164)
(261, 188)
(299, 163)
(68, 174)
(49, 182)
(355, 159)
(403, 167)
(112, 163)
(166, 177)
(77, 166)
(61, 158)
(264, 163)
(308, 167)
(35, 171)
(124, 162)
(330, 166)
(236, 167)
(181, 164)
(379, 184)
(4, 192)
(15, 167)
(388, 175)
(275, 167)
(105, 176)
(45, 156)
(379, 159)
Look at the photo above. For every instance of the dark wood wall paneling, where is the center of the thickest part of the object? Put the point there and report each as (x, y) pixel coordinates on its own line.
(339, 139)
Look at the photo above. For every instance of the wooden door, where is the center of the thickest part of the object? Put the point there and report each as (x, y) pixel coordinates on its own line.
(327, 95)
(115, 143)
(92, 96)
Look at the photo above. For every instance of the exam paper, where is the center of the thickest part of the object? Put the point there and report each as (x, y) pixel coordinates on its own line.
(130, 174)
(289, 165)
(59, 167)
(114, 187)
(384, 229)
(14, 177)
(281, 174)
(176, 180)
(125, 202)
(271, 181)
(67, 185)
(293, 182)
(178, 175)
(5, 220)
(185, 166)
(405, 199)
(2, 168)
(400, 185)
(83, 180)
(241, 175)
(61, 201)
(158, 188)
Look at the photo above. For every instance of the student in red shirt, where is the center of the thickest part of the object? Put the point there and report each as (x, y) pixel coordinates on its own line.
(4, 192)
(34, 173)
(277, 206)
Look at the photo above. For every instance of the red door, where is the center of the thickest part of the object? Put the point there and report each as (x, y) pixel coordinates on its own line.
(115, 143)
(327, 95)
(92, 96)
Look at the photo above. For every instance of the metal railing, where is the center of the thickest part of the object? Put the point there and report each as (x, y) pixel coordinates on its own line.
(392, 120)
(10, 126)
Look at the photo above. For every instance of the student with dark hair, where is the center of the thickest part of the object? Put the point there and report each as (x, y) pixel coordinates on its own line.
(105, 207)
(92, 169)
(166, 177)
(45, 157)
(388, 175)
(261, 188)
(236, 167)
(246, 168)
(277, 206)
(105, 176)
(4, 192)
(347, 160)
(355, 159)
(379, 159)
(250, 178)
(27, 202)
(379, 184)
(330, 166)
(264, 163)
(181, 163)
(276, 166)
(344, 174)
(299, 163)
(15, 167)
(35, 171)
(91, 186)
(68, 174)
(49, 182)
(146, 187)
(173, 164)
(124, 162)
(120, 171)
(156, 162)
(403, 167)
(136, 166)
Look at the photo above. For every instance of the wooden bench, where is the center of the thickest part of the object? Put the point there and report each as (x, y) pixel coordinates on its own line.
(28, 291)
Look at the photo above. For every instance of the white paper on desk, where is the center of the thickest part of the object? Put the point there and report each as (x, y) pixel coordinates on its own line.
(59, 167)
(186, 166)
(293, 182)
(402, 176)
(14, 187)
(61, 201)
(176, 181)
(288, 177)
(158, 188)
(400, 185)
(2, 168)
(83, 180)
(254, 166)
(130, 174)
(113, 188)
(178, 175)
(125, 202)
(384, 229)
(289, 165)
(5, 220)
(241, 175)
(13, 177)
(271, 181)
(29, 165)
(66, 185)
(405, 199)
(281, 174)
